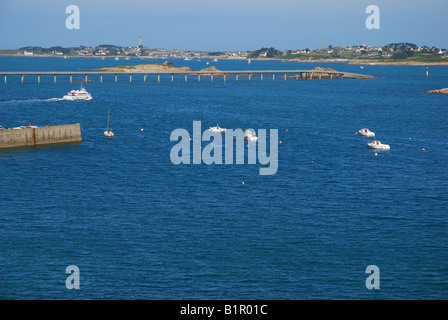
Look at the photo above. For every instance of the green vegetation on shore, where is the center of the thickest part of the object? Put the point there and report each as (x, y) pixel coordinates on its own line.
(407, 53)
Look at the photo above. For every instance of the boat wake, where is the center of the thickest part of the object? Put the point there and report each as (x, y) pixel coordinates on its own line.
(32, 100)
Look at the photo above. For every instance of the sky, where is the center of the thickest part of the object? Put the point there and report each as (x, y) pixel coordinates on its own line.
(222, 25)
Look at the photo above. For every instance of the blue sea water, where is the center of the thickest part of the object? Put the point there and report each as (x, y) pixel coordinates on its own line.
(140, 227)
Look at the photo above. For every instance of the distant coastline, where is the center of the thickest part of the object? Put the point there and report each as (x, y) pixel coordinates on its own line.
(401, 53)
(399, 63)
(352, 62)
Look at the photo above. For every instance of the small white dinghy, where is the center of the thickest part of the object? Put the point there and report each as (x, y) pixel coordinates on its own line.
(250, 136)
(377, 145)
(366, 132)
(108, 132)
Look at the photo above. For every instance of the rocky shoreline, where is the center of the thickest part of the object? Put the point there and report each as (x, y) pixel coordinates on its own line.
(316, 73)
(166, 66)
(438, 91)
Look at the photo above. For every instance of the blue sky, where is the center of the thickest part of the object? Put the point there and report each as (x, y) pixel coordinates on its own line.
(222, 24)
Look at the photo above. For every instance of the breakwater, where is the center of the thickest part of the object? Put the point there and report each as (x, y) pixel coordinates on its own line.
(34, 136)
(317, 73)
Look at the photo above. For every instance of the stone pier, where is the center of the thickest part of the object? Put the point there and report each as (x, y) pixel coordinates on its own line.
(34, 136)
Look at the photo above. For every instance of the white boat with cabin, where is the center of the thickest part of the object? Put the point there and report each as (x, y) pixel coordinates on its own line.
(366, 133)
(80, 94)
(217, 129)
(377, 145)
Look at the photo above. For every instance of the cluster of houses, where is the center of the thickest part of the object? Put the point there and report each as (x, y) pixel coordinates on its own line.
(366, 50)
(140, 51)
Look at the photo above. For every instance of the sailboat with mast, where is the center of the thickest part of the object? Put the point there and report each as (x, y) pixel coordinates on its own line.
(108, 132)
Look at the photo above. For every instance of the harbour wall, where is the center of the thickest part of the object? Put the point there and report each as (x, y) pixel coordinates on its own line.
(13, 138)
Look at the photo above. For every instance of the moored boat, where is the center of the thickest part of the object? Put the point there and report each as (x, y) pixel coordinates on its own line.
(377, 145)
(217, 129)
(366, 132)
(250, 136)
(108, 132)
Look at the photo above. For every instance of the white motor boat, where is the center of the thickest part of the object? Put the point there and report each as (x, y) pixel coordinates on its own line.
(217, 129)
(215, 60)
(250, 136)
(366, 132)
(377, 145)
(80, 94)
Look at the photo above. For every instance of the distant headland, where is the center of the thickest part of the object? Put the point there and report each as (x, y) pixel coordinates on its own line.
(391, 54)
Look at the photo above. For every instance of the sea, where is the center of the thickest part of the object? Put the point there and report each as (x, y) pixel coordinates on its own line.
(136, 226)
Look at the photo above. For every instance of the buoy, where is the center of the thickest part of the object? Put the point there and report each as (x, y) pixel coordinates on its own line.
(286, 130)
(141, 130)
(376, 154)
(243, 182)
(280, 141)
(423, 149)
(312, 161)
(410, 138)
